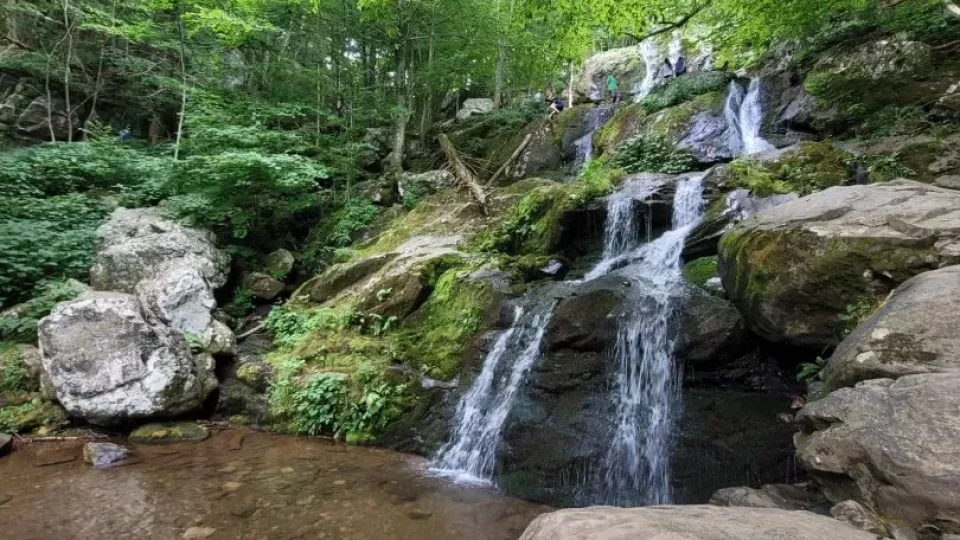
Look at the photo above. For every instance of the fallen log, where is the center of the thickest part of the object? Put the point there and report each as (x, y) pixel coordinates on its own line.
(463, 173)
(513, 157)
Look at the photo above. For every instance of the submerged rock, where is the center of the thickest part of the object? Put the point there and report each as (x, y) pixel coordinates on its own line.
(890, 445)
(913, 332)
(794, 269)
(104, 455)
(109, 364)
(688, 523)
(169, 433)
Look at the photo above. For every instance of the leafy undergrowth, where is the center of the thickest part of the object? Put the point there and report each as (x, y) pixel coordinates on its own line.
(682, 89)
(534, 225)
(22, 409)
(652, 153)
(340, 371)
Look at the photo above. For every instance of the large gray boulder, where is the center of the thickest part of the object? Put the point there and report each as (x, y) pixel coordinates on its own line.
(891, 445)
(40, 120)
(475, 107)
(109, 364)
(626, 64)
(688, 523)
(133, 243)
(792, 270)
(913, 332)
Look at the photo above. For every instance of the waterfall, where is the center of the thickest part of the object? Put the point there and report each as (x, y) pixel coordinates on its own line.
(676, 47)
(636, 470)
(621, 232)
(651, 59)
(593, 120)
(744, 115)
(470, 456)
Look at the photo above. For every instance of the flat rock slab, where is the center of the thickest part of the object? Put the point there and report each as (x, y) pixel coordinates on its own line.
(169, 433)
(688, 523)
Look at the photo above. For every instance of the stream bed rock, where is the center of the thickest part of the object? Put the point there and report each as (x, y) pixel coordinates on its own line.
(689, 523)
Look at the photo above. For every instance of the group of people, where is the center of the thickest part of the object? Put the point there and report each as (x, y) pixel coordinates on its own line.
(675, 69)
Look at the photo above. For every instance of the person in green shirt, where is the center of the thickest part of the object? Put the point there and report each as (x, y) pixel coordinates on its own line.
(613, 87)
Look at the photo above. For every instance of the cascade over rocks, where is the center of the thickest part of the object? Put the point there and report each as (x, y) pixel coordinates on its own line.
(891, 445)
(121, 355)
(689, 523)
(913, 332)
(793, 269)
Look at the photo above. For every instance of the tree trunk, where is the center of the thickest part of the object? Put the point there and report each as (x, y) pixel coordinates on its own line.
(570, 87)
(67, 72)
(395, 160)
(501, 68)
(463, 173)
(183, 81)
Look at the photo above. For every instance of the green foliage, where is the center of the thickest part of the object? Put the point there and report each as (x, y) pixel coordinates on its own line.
(14, 372)
(19, 324)
(887, 167)
(240, 192)
(679, 90)
(241, 304)
(412, 194)
(45, 239)
(357, 214)
(896, 121)
(808, 372)
(701, 270)
(652, 153)
(809, 168)
(859, 311)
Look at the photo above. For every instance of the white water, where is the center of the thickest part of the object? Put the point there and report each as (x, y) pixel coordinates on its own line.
(676, 47)
(621, 232)
(652, 59)
(593, 119)
(636, 470)
(470, 456)
(744, 115)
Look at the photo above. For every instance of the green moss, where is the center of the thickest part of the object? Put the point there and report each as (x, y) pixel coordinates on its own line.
(534, 225)
(699, 271)
(437, 336)
(684, 89)
(26, 413)
(14, 372)
(809, 167)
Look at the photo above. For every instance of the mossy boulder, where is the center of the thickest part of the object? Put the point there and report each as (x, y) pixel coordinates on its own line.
(924, 158)
(169, 433)
(794, 269)
(803, 168)
(697, 125)
(29, 412)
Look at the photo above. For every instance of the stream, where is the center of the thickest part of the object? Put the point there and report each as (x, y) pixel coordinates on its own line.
(246, 485)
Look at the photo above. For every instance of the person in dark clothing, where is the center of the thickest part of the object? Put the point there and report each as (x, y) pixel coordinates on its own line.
(680, 67)
(126, 134)
(556, 107)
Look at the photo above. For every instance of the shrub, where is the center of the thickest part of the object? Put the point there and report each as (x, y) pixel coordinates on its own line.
(46, 239)
(14, 372)
(20, 324)
(652, 153)
(237, 193)
(678, 90)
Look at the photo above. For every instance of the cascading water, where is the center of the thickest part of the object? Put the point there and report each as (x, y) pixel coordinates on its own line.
(470, 456)
(651, 59)
(636, 468)
(744, 115)
(593, 120)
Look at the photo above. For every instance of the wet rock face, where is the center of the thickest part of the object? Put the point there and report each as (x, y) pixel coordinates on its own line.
(626, 64)
(557, 435)
(794, 269)
(913, 332)
(109, 365)
(891, 445)
(689, 523)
